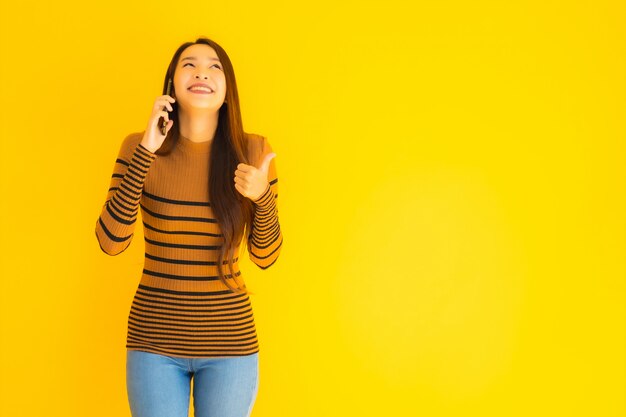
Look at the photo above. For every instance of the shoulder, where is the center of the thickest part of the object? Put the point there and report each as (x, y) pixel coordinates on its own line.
(257, 146)
(133, 139)
(129, 144)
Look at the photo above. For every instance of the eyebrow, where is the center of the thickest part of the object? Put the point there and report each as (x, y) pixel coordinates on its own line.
(193, 58)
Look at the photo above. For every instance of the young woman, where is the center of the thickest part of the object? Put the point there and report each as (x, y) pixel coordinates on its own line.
(203, 184)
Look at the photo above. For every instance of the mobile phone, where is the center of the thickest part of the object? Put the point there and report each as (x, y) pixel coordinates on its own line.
(168, 92)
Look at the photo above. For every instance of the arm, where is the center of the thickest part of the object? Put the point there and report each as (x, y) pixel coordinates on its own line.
(116, 224)
(266, 239)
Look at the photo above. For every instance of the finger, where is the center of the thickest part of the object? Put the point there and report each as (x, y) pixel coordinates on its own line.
(265, 165)
(244, 167)
(241, 174)
(162, 103)
(241, 190)
(170, 123)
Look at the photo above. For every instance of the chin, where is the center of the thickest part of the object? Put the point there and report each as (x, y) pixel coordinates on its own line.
(207, 104)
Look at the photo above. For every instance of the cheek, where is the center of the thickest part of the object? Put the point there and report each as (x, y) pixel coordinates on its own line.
(222, 81)
(179, 84)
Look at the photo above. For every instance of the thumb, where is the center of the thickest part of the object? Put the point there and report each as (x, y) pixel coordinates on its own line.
(265, 165)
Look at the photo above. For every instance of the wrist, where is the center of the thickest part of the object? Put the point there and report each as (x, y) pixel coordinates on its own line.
(265, 200)
(147, 147)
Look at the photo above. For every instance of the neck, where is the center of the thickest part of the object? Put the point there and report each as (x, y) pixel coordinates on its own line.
(198, 125)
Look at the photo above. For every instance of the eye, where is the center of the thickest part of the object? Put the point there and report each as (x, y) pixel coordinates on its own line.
(189, 63)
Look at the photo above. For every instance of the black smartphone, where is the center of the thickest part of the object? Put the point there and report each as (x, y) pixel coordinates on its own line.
(168, 92)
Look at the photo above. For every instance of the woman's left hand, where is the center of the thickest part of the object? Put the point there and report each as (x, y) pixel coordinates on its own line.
(252, 182)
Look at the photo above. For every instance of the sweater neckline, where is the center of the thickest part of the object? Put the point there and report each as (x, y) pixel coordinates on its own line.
(194, 147)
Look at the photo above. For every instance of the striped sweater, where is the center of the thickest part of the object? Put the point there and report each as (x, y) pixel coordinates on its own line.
(180, 307)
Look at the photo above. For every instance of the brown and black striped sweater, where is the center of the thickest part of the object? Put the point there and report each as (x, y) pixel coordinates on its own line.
(181, 308)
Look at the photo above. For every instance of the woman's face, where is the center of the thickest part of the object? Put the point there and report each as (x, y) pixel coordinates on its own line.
(199, 64)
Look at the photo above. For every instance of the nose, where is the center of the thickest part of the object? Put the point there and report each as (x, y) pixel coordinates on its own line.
(203, 76)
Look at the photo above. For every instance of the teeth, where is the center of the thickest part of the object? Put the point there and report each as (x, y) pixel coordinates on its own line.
(201, 89)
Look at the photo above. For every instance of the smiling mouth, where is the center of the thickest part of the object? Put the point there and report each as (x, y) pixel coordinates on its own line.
(201, 90)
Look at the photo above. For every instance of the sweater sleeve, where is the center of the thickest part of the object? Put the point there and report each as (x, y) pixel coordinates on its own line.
(266, 239)
(117, 220)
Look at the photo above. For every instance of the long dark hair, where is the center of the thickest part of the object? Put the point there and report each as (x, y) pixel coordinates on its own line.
(233, 211)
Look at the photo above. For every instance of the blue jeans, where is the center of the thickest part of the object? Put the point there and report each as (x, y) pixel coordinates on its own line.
(159, 385)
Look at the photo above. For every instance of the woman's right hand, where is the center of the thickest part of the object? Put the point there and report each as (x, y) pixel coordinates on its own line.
(153, 138)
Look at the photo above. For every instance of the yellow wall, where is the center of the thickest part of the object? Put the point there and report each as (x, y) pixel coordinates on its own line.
(452, 201)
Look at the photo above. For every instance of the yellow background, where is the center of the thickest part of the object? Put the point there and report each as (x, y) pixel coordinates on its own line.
(452, 201)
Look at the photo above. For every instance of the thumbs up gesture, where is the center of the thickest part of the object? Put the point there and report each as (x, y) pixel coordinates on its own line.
(252, 182)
